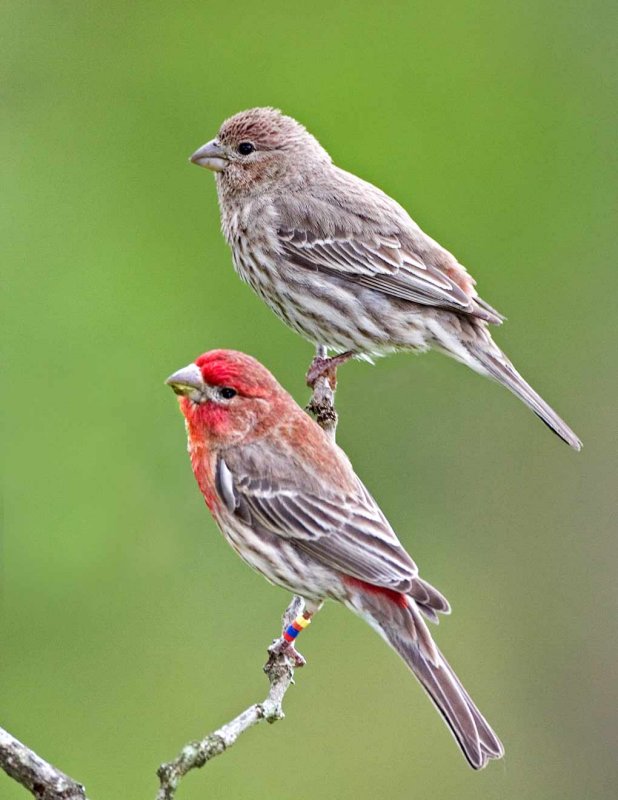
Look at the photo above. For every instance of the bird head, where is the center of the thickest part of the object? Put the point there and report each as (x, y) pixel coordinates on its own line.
(226, 397)
(259, 146)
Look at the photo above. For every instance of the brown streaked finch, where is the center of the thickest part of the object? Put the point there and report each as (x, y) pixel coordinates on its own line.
(341, 262)
(288, 501)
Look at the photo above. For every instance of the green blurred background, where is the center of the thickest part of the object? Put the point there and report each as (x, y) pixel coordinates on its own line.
(128, 626)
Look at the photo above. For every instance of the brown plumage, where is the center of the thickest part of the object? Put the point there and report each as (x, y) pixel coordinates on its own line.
(288, 501)
(341, 262)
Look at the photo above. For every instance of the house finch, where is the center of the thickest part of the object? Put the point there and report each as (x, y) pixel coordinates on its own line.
(341, 262)
(288, 501)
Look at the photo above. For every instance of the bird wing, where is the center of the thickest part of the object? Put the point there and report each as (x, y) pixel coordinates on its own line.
(345, 530)
(385, 263)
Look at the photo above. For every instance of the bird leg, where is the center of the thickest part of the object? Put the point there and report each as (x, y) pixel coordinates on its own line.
(296, 618)
(285, 643)
(324, 367)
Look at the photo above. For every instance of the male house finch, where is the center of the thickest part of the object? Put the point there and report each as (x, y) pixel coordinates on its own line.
(289, 503)
(341, 262)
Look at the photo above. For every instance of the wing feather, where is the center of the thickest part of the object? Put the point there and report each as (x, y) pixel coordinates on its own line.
(345, 530)
(385, 264)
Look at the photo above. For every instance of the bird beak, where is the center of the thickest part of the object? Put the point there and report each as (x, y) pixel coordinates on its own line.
(210, 155)
(188, 382)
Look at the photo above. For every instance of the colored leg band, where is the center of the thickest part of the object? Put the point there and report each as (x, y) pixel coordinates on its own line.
(292, 631)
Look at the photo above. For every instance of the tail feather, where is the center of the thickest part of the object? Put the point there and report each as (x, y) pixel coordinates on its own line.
(477, 740)
(489, 741)
(429, 600)
(494, 363)
(403, 627)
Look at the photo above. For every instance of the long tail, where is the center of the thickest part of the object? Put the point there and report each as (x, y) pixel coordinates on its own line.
(398, 620)
(494, 363)
(471, 343)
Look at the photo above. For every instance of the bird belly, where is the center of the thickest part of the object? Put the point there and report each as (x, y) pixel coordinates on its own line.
(329, 311)
(280, 561)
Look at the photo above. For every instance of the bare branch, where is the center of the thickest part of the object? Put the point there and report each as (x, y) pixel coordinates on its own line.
(43, 780)
(322, 402)
(280, 671)
(322, 406)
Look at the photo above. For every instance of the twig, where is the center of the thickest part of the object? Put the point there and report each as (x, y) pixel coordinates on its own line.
(280, 672)
(322, 402)
(322, 406)
(43, 780)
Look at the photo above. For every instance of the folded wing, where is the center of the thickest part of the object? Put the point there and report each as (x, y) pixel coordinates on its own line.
(385, 263)
(344, 530)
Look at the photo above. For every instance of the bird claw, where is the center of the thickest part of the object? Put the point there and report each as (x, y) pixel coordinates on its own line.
(326, 368)
(281, 646)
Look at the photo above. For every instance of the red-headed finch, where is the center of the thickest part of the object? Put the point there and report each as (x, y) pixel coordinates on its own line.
(341, 262)
(288, 501)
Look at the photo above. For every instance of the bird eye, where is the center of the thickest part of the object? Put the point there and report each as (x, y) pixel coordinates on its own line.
(226, 392)
(245, 148)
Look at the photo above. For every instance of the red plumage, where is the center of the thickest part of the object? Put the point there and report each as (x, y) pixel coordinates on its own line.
(220, 369)
(288, 501)
(395, 597)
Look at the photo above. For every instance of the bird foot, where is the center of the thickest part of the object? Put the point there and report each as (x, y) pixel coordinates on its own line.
(326, 368)
(281, 646)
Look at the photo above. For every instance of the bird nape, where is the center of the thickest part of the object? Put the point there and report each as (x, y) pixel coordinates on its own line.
(288, 501)
(341, 262)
